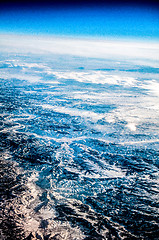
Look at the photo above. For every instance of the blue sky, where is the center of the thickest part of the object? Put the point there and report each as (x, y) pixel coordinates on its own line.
(96, 21)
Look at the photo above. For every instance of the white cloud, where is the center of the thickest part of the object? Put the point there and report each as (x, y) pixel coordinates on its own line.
(152, 86)
(22, 76)
(97, 77)
(81, 47)
(75, 112)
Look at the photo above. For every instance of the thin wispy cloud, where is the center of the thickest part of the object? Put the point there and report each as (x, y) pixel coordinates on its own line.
(130, 50)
